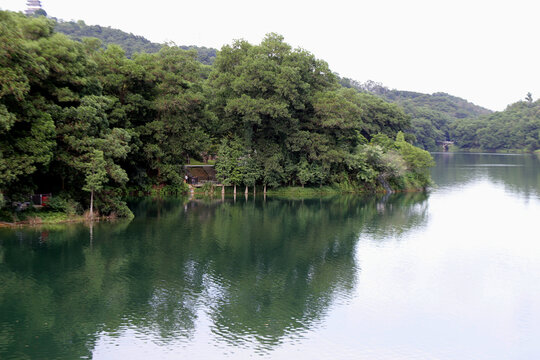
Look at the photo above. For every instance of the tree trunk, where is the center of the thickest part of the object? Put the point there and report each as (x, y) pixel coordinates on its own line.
(246, 192)
(264, 189)
(222, 189)
(385, 184)
(254, 190)
(92, 204)
(235, 189)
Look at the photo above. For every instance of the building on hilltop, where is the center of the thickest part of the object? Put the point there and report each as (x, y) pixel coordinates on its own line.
(33, 6)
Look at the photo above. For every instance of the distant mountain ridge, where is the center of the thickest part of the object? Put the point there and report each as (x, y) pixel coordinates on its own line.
(129, 42)
(431, 114)
(440, 101)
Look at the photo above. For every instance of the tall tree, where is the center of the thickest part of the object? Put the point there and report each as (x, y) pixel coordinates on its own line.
(96, 175)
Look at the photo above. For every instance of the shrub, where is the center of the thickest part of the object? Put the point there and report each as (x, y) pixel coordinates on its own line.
(63, 203)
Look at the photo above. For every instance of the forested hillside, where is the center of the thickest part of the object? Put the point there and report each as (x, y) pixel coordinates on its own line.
(130, 43)
(86, 122)
(515, 128)
(431, 115)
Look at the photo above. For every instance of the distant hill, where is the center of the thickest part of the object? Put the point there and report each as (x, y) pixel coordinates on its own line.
(451, 105)
(130, 43)
(431, 114)
(515, 128)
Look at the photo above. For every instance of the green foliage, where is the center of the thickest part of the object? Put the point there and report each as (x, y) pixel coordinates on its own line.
(304, 173)
(229, 167)
(64, 204)
(432, 116)
(418, 161)
(110, 203)
(26, 128)
(76, 117)
(515, 128)
(207, 188)
(297, 124)
(131, 44)
(96, 173)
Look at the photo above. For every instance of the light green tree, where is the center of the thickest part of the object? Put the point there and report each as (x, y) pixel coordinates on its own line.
(96, 176)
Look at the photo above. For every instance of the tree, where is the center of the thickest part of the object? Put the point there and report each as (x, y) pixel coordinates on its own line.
(251, 170)
(177, 132)
(84, 130)
(304, 173)
(96, 175)
(229, 169)
(26, 126)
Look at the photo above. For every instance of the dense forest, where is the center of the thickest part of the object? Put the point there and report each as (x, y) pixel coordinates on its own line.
(86, 122)
(432, 115)
(130, 43)
(442, 117)
(515, 128)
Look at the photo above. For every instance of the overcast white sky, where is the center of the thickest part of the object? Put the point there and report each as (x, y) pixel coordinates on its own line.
(484, 51)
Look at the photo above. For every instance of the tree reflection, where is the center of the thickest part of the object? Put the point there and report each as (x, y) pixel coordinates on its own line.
(519, 173)
(260, 270)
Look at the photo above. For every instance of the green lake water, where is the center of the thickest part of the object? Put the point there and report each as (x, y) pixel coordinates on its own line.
(450, 274)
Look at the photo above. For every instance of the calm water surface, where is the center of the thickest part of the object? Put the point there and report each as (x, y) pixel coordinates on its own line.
(452, 274)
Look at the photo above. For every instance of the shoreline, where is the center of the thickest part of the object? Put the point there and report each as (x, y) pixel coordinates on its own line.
(291, 192)
(37, 221)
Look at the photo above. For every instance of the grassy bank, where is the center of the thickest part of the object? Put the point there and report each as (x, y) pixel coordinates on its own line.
(44, 216)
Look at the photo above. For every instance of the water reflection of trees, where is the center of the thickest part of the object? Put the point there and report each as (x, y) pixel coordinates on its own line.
(519, 173)
(260, 270)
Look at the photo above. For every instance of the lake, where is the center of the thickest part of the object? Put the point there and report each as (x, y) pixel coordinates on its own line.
(450, 274)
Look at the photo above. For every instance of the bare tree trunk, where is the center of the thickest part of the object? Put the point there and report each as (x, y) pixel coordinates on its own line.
(254, 190)
(222, 189)
(234, 189)
(246, 192)
(264, 189)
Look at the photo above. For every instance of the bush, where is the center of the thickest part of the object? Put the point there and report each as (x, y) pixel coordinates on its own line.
(110, 204)
(2, 201)
(207, 188)
(418, 161)
(64, 204)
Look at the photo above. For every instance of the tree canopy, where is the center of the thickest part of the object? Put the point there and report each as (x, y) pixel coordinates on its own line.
(432, 115)
(78, 117)
(515, 128)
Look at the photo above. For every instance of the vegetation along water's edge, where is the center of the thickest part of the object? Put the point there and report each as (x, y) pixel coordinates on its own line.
(83, 125)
